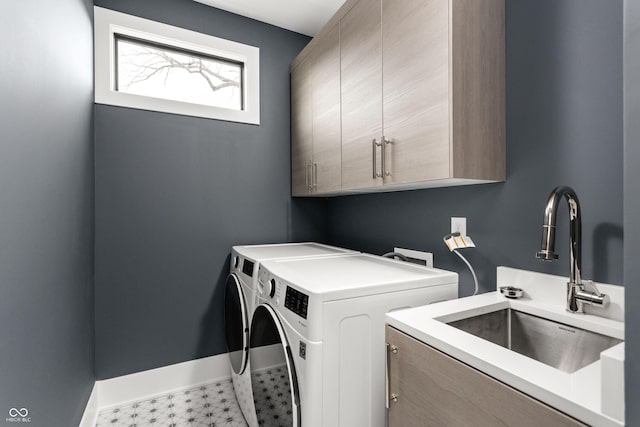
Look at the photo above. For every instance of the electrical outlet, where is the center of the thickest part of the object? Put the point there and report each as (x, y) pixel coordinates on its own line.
(459, 225)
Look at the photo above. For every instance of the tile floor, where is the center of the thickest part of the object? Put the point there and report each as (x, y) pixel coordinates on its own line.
(210, 405)
(272, 397)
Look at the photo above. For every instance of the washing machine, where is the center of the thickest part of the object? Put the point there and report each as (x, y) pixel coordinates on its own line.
(317, 348)
(240, 302)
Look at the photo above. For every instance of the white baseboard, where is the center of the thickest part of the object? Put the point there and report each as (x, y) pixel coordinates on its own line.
(133, 387)
(121, 390)
(90, 414)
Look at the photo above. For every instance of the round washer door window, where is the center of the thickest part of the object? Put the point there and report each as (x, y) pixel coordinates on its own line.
(273, 376)
(236, 324)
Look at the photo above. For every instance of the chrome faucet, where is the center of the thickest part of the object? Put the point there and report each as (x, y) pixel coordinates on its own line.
(577, 294)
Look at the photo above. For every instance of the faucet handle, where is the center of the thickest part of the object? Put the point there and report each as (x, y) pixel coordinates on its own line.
(589, 294)
(589, 286)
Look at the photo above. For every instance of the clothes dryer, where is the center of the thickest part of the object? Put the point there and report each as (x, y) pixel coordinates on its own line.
(240, 303)
(317, 348)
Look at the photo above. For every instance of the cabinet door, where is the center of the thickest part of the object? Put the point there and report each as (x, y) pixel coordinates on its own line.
(301, 129)
(415, 60)
(327, 145)
(434, 389)
(361, 83)
(478, 90)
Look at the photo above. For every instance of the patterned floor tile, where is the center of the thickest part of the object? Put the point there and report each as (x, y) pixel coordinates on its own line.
(116, 417)
(210, 405)
(272, 397)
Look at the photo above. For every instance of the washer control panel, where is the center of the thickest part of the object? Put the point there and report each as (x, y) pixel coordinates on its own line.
(296, 301)
(273, 289)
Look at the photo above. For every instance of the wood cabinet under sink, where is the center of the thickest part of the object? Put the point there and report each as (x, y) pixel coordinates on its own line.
(430, 388)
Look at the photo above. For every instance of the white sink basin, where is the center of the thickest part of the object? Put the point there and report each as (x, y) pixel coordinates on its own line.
(587, 384)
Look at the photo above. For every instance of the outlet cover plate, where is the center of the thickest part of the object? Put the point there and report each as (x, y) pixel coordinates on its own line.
(459, 224)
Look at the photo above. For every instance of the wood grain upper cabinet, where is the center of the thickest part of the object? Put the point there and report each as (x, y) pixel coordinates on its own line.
(430, 388)
(361, 83)
(425, 79)
(301, 130)
(315, 119)
(327, 143)
(413, 89)
(415, 65)
(443, 91)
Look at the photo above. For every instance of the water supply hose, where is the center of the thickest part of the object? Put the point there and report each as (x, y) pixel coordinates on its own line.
(473, 273)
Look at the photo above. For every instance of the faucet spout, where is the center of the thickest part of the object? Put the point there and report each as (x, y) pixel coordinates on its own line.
(547, 249)
(577, 296)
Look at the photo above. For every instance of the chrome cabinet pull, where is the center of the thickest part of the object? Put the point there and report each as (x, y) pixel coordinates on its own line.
(309, 175)
(386, 141)
(390, 397)
(386, 377)
(374, 144)
(306, 174)
(315, 175)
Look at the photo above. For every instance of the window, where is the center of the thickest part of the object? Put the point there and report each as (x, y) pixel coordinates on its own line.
(153, 66)
(159, 71)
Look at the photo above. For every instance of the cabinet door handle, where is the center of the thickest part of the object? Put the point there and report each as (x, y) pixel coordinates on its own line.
(309, 175)
(306, 174)
(386, 378)
(386, 141)
(315, 175)
(390, 397)
(374, 145)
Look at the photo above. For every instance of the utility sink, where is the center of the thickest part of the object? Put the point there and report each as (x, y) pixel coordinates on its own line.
(560, 346)
(569, 361)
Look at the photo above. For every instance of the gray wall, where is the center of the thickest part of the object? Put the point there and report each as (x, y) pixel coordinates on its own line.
(632, 206)
(46, 186)
(564, 126)
(174, 193)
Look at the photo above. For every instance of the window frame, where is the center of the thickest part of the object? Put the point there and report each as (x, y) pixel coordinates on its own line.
(108, 24)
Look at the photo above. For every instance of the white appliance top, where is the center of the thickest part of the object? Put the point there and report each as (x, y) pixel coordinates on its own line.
(288, 250)
(354, 275)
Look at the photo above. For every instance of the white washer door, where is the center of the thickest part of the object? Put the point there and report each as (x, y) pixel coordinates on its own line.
(236, 324)
(273, 376)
